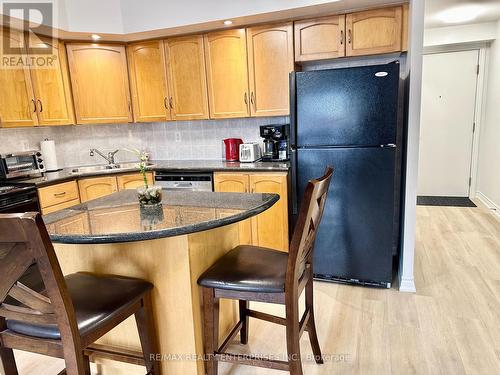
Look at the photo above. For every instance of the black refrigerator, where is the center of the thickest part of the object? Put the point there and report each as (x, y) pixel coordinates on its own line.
(348, 118)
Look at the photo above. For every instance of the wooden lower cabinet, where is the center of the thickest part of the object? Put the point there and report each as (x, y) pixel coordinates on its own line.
(96, 187)
(270, 228)
(235, 183)
(133, 180)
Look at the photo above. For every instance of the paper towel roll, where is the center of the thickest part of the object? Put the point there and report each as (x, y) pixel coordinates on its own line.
(48, 150)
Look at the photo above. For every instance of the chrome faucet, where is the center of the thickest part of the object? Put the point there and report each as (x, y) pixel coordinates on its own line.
(110, 158)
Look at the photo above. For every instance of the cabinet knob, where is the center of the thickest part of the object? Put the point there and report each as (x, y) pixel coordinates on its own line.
(341, 37)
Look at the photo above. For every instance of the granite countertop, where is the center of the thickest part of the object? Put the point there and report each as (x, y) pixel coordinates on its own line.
(119, 218)
(167, 165)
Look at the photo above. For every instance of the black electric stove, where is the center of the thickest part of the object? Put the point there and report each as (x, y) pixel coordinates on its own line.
(18, 197)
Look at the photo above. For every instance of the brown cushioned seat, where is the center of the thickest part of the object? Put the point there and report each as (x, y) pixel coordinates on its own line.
(96, 300)
(248, 269)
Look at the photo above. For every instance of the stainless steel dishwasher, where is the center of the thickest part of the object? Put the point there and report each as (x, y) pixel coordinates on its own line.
(194, 181)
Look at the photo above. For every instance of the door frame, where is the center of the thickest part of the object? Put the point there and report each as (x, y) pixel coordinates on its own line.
(482, 49)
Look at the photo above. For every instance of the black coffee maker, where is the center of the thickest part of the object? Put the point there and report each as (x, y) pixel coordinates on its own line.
(276, 143)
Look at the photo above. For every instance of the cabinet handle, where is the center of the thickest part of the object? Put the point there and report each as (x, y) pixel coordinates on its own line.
(349, 36)
(41, 105)
(34, 105)
(165, 102)
(62, 194)
(171, 103)
(129, 107)
(252, 98)
(245, 98)
(341, 37)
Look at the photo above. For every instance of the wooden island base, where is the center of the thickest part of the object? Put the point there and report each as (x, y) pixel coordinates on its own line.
(173, 265)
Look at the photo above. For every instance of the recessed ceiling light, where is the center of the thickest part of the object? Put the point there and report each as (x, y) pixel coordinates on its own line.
(95, 37)
(228, 22)
(462, 13)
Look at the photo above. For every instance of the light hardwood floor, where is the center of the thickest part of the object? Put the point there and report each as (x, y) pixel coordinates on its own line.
(450, 326)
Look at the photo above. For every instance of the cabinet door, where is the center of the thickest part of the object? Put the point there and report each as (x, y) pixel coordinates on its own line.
(236, 183)
(187, 78)
(270, 61)
(148, 81)
(17, 101)
(374, 31)
(100, 83)
(320, 38)
(52, 88)
(93, 188)
(227, 73)
(133, 180)
(270, 228)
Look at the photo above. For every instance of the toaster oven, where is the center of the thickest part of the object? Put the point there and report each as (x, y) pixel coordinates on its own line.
(21, 164)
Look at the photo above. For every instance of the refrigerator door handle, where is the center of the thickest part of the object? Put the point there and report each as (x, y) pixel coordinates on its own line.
(390, 145)
(293, 113)
(293, 162)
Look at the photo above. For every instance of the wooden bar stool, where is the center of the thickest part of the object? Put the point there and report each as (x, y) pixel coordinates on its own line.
(251, 273)
(42, 311)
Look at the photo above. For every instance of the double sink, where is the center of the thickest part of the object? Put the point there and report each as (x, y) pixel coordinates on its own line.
(107, 168)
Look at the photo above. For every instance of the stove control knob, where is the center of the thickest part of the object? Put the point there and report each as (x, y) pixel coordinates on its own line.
(38, 154)
(39, 160)
(41, 166)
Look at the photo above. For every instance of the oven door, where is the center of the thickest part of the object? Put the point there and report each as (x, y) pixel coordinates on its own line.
(18, 203)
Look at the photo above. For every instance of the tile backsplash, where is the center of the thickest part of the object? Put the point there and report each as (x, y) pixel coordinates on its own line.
(179, 140)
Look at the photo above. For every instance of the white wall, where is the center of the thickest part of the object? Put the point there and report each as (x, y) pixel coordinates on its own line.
(478, 32)
(489, 145)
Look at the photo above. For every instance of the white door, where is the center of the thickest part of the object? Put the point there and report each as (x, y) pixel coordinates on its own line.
(446, 125)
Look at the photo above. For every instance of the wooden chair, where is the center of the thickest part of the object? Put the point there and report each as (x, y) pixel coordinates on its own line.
(251, 273)
(42, 311)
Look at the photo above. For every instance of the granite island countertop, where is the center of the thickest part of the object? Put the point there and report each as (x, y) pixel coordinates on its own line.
(119, 218)
(66, 174)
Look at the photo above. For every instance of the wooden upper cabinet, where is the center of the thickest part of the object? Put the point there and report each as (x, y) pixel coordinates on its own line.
(187, 78)
(52, 88)
(270, 61)
(320, 38)
(17, 100)
(100, 83)
(374, 31)
(148, 82)
(227, 73)
(96, 187)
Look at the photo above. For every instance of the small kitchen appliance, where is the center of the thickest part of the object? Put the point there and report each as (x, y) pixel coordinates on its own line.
(276, 143)
(232, 148)
(249, 152)
(21, 164)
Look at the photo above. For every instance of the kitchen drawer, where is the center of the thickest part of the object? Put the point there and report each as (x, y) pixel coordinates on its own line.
(57, 194)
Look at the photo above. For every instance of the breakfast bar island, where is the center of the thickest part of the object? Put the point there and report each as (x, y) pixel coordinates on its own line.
(170, 245)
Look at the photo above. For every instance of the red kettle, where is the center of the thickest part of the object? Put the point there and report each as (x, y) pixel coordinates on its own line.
(232, 148)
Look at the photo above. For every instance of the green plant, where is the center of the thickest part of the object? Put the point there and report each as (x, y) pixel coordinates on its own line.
(143, 160)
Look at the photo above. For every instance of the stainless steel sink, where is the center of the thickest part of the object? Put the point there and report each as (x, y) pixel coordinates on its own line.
(95, 168)
(130, 165)
(107, 168)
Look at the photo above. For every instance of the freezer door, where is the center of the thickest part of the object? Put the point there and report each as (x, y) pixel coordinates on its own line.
(349, 106)
(355, 237)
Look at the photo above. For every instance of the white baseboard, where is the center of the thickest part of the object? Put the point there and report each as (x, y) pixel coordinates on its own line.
(407, 285)
(495, 209)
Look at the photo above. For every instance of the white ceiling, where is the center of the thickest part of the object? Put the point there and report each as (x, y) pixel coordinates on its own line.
(489, 10)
